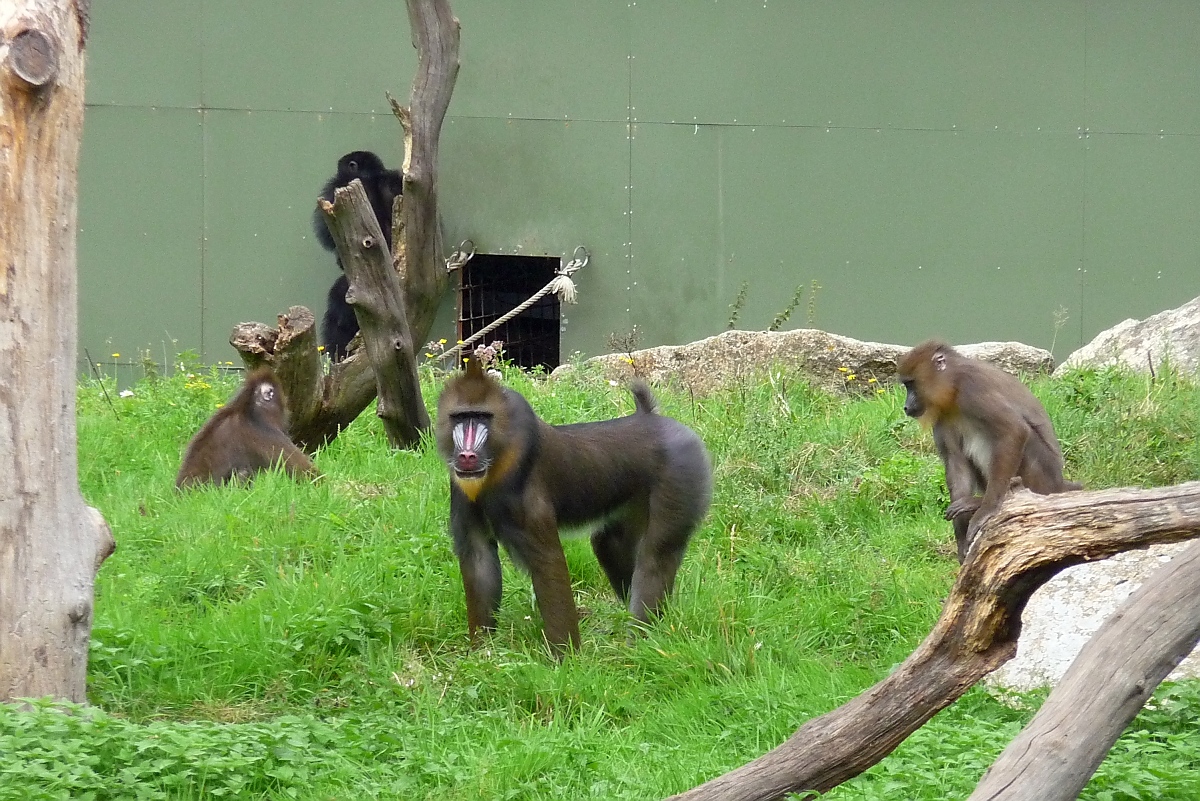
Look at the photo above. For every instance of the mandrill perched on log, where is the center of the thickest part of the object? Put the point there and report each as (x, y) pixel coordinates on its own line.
(514, 479)
(988, 428)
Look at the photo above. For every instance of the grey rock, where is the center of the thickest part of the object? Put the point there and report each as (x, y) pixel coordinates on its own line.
(1065, 612)
(833, 362)
(1172, 335)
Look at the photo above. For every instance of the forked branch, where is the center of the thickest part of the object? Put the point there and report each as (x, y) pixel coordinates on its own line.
(1105, 687)
(321, 405)
(1028, 540)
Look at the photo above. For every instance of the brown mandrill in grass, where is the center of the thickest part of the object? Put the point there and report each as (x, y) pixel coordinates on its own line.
(244, 436)
(645, 480)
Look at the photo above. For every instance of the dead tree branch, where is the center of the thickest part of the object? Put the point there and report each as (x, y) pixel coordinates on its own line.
(1103, 690)
(378, 303)
(416, 234)
(323, 405)
(1028, 540)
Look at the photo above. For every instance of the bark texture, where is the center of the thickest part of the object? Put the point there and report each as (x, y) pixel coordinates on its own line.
(1028, 540)
(378, 303)
(51, 542)
(1105, 687)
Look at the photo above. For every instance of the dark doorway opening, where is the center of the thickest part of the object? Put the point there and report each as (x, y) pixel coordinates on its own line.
(492, 285)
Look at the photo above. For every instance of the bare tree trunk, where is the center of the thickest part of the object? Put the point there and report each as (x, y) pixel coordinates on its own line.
(1111, 679)
(416, 234)
(51, 542)
(322, 405)
(378, 303)
(1028, 540)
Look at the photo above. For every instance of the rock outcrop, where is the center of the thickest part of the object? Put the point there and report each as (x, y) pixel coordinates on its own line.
(1065, 612)
(833, 362)
(1143, 345)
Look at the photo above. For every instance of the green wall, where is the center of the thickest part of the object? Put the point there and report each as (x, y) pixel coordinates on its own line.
(953, 168)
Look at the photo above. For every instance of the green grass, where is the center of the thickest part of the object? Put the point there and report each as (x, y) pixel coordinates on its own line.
(309, 641)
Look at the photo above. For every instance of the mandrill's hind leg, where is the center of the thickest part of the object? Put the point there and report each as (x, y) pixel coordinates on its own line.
(962, 537)
(677, 504)
(654, 577)
(615, 545)
(659, 555)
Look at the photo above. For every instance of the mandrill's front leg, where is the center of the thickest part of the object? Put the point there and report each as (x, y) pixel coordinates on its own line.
(479, 561)
(537, 547)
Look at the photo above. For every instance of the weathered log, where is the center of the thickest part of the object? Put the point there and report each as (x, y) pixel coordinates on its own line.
(1103, 690)
(378, 302)
(51, 542)
(1028, 540)
(319, 405)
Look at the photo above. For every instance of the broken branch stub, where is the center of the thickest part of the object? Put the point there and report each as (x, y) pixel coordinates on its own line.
(319, 405)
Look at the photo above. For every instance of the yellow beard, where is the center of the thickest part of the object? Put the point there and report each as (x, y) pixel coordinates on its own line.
(471, 487)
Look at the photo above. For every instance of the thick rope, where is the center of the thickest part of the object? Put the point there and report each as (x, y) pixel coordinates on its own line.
(561, 285)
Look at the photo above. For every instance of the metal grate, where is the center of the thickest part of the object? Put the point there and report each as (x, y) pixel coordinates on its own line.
(492, 285)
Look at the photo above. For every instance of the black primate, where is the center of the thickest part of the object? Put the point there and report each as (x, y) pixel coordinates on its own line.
(339, 325)
(381, 184)
(382, 187)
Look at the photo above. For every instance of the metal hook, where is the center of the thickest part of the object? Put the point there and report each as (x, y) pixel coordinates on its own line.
(459, 258)
(576, 261)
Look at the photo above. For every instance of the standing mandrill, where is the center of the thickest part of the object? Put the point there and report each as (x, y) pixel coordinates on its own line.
(988, 428)
(244, 436)
(646, 479)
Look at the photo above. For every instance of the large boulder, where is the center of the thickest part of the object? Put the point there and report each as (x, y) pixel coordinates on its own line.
(831, 361)
(1065, 612)
(1143, 345)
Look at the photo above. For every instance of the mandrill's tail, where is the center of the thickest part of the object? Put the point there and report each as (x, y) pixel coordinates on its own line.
(642, 399)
